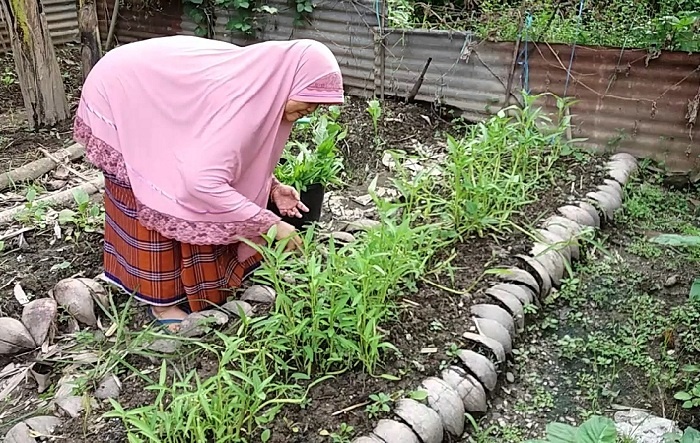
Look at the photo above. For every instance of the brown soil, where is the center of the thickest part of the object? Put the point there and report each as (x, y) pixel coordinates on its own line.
(18, 144)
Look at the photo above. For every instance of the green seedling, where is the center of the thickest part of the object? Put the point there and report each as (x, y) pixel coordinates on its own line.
(379, 403)
(374, 108)
(87, 217)
(34, 212)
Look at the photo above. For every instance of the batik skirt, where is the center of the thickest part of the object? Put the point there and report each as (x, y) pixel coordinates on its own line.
(160, 271)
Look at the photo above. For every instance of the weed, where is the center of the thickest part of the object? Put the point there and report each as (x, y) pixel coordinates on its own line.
(34, 212)
(8, 77)
(380, 403)
(343, 434)
(87, 217)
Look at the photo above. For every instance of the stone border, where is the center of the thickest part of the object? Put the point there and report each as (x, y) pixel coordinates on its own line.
(465, 387)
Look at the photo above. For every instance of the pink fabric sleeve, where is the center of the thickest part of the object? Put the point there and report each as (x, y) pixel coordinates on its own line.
(209, 186)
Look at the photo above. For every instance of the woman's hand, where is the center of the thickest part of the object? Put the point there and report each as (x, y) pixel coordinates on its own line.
(288, 201)
(287, 231)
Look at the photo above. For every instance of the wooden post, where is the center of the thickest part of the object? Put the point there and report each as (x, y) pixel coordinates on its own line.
(90, 51)
(35, 61)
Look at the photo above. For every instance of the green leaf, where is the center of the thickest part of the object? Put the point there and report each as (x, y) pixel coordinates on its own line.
(390, 377)
(597, 430)
(561, 433)
(265, 436)
(692, 241)
(695, 290)
(418, 395)
(691, 435)
(683, 396)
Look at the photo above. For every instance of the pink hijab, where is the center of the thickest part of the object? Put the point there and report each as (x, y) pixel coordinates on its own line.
(199, 123)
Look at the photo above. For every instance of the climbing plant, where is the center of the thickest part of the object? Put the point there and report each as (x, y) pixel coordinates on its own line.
(243, 15)
(648, 24)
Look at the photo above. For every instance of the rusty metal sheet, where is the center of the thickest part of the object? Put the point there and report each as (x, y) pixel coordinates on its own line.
(62, 19)
(627, 102)
(463, 73)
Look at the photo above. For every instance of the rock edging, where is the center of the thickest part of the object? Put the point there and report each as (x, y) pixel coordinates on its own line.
(464, 387)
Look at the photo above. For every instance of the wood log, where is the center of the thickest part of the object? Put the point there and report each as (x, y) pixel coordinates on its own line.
(63, 198)
(90, 51)
(35, 62)
(39, 167)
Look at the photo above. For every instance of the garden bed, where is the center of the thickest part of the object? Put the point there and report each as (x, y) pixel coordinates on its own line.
(424, 327)
(617, 336)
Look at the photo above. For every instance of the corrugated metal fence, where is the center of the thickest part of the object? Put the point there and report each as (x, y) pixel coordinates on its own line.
(63, 23)
(627, 100)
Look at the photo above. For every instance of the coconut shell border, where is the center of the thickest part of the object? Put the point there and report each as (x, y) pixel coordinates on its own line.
(606, 200)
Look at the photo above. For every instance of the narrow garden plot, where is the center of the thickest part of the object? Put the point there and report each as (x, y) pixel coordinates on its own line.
(430, 254)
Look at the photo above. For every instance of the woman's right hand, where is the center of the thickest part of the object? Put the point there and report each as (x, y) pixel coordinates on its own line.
(284, 231)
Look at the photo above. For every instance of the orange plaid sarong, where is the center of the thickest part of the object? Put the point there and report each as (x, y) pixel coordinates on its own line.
(160, 271)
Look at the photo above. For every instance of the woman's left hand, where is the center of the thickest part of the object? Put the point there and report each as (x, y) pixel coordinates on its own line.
(288, 201)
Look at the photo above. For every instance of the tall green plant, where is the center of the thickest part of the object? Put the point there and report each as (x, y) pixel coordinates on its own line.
(302, 165)
(490, 173)
(331, 303)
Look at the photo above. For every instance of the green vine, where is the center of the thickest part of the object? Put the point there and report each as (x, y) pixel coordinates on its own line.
(243, 15)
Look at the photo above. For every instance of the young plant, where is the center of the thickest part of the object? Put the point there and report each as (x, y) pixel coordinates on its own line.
(489, 174)
(34, 212)
(380, 402)
(87, 217)
(303, 166)
(595, 430)
(242, 396)
(343, 434)
(691, 395)
(374, 108)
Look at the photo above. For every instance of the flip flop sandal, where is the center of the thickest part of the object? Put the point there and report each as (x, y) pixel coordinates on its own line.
(163, 321)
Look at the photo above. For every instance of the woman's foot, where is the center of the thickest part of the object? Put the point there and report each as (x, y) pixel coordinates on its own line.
(170, 316)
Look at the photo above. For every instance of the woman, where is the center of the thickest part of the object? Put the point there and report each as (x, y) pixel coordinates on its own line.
(187, 132)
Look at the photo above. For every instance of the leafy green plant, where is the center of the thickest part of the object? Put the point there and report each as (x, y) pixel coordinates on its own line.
(302, 166)
(594, 430)
(691, 395)
(34, 212)
(87, 217)
(343, 434)
(243, 15)
(8, 77)
(490, 173)
(648, 24)
(380, 402)
(690, 435)
(238, 399)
